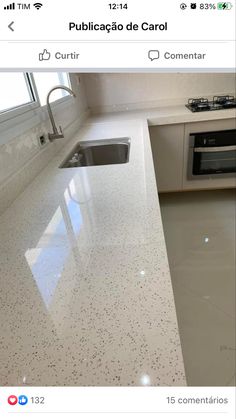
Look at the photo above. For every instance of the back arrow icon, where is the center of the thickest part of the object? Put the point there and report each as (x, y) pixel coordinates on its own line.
(10, 26)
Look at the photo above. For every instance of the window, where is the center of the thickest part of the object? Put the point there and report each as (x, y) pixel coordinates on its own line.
(16, 91)
(45, 81)
(23, 93)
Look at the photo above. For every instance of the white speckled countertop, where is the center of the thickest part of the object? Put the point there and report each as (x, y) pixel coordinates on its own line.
(85, 288)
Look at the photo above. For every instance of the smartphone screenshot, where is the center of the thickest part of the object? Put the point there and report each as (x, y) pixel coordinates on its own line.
(117, 209)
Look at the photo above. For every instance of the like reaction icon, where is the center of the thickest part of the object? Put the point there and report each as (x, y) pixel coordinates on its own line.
(22, 400)
(12, 400)
(45, 55)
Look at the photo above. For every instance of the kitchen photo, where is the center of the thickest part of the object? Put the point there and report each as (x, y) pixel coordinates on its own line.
(117, 229)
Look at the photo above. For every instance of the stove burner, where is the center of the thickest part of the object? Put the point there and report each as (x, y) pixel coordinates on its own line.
(223, 99)
(218, 103)
(198, 104)
(197, 101)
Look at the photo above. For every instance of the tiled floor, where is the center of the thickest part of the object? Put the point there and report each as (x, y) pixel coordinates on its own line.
(200, 237)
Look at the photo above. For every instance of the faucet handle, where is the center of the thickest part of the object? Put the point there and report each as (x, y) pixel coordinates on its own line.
(56, 135)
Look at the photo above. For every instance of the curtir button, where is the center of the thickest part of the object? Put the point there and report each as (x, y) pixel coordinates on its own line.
(67, 56)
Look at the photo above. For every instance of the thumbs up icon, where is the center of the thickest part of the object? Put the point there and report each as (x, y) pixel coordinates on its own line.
(23, 400)
(45, 55)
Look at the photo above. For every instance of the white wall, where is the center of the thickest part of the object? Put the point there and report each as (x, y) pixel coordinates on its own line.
(109, 92)
(21, 159)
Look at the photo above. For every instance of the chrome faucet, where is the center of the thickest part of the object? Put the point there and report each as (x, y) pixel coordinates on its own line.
(55, 134)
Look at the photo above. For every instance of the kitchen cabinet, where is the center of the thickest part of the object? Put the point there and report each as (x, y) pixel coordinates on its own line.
(167, 143)
(170, 148)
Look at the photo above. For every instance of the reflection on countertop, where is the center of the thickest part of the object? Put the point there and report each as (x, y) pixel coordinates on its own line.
(86, 295)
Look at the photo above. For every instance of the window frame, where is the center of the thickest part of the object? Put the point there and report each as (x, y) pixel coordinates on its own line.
(11, 113)
(20, 119)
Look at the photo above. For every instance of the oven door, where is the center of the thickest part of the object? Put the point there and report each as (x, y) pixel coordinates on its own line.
(214, 160)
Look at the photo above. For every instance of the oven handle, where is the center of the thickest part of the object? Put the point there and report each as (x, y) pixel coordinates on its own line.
(214, 149)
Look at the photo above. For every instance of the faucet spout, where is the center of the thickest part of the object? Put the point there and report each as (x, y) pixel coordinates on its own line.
(56, 134)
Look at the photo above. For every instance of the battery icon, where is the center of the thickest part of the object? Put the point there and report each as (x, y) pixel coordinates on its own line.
(224, 6)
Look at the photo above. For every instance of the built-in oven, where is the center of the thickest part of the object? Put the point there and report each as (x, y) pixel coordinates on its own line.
(212, 154)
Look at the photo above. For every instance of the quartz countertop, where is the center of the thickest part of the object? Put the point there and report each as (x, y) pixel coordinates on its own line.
(86, 294)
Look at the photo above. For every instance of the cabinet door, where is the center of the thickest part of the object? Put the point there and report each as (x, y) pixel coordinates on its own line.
(167, 148)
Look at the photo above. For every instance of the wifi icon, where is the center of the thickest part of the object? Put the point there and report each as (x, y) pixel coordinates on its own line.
(38, 5)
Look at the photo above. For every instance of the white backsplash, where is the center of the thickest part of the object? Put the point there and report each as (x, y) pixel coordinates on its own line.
(107, 92)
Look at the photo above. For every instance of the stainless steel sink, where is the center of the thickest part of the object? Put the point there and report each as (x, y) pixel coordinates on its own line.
(99, 152)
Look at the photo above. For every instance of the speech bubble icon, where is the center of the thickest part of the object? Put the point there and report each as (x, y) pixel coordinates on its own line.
(153, 54)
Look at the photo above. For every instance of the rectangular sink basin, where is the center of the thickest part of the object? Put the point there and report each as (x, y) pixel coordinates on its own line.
(99, 152)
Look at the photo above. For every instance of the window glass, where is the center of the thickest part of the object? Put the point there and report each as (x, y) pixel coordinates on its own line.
(45, 81)
(15, 91)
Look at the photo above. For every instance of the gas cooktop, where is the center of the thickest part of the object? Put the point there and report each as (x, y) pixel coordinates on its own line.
(218, 103)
